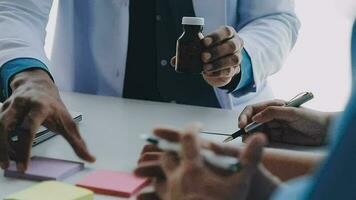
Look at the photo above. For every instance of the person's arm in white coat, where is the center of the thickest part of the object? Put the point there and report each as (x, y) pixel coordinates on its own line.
(269, 30)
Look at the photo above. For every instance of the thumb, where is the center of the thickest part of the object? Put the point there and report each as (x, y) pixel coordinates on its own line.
(275, 112)
(251, 156)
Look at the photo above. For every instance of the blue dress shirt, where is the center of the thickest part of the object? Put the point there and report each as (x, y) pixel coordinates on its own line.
(247, 83)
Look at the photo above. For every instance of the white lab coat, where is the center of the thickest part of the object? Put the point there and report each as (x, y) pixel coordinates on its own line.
(96, 63)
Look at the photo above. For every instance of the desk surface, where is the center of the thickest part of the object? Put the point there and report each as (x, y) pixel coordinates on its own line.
(112, 126)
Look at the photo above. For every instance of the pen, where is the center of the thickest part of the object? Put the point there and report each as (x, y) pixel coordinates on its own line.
(295, 102)
(214, 133)
(222, 162)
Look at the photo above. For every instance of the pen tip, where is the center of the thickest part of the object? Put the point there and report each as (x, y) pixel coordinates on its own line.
(230, 138)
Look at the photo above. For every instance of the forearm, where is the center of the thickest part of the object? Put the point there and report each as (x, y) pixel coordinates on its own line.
(264, 184)
(331, 116)
(287, 164)
(280, 165)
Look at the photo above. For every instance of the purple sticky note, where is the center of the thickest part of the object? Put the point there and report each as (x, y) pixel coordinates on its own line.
(41, 169)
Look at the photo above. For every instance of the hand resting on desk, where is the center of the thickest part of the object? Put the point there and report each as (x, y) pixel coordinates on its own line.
(35, 101)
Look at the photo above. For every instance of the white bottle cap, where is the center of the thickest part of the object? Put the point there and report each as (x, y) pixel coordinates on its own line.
(193, 21)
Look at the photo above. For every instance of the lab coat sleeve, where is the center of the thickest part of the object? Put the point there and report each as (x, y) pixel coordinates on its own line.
(269, 29)
(23, 29)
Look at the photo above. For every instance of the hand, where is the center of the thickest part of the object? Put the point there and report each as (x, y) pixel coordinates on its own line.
(35, 100)
(290, 125)
(263, 183)
(174, 176)
(222, 57)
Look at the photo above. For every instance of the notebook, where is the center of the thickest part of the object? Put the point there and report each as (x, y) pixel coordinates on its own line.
(41, 168)
(122, 184)
(52, 190)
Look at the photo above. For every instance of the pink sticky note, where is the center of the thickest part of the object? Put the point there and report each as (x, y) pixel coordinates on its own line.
(122, 184)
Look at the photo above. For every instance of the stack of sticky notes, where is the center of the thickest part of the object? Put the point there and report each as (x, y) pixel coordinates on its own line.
(41, 168)
(52, 190)
(122, 184)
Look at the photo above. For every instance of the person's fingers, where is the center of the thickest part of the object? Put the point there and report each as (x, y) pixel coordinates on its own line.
(11, 149)
(14, 111)
(218, 36)
(170, 162)
(229, 47)
(150, 148)
(4, 149)
(224, 150)
(5, 105)
(224, 73)
(251, 110)
(150, 156)
(71, 133)
(274, 124)
(276, 113)
(173, 61)
(226, 62)
(245, 115)
(148, 196)
(167, 134)
(152, 169)
(26, 133)
(8, 120)
(251, 156)
(190, 145)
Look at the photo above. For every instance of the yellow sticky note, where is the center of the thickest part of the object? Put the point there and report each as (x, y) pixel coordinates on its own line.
(52, 190)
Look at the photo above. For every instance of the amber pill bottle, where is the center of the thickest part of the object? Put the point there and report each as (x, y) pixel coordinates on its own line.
(189, 46)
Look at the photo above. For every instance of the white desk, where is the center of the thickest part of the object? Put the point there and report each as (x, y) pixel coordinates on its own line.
(111, 128)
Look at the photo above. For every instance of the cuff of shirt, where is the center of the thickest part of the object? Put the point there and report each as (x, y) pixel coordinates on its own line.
(245, 81)
(13, 67)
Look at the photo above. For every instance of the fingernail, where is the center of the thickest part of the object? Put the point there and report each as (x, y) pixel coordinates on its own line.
(208, 67)
(206, 56)
(93, 159)
(207, 41)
